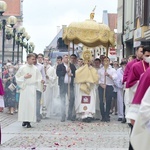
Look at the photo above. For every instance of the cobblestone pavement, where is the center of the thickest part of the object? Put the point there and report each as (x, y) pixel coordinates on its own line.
(51, 134)
(7, 119)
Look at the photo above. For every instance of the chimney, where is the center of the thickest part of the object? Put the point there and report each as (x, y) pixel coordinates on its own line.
(58, 29)
(64, 26)
(105, 17)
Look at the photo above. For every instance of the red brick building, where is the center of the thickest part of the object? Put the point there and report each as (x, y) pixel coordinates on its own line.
(112, 21)
(13, 8)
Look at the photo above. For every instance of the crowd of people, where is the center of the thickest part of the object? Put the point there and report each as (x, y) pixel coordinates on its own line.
(93, 89)
(55, 87)
(136, 86)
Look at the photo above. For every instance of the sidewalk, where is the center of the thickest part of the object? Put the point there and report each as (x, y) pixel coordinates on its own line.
(51, 134)
(7, 119)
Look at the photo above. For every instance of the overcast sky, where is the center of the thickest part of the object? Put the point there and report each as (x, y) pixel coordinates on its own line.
(41, 17)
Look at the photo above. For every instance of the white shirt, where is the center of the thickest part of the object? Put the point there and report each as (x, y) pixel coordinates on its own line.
(119, 80)
(67, 79)
(111, 71)
(41, 69)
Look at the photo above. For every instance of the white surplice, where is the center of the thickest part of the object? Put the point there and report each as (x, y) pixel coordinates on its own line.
(27, 101)
(84, 110)
(119, 87)
(49, 93)
(140, 137)
(129, 95)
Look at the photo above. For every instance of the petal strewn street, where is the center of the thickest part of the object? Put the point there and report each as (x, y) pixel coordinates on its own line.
(51, 134)
(74, 75)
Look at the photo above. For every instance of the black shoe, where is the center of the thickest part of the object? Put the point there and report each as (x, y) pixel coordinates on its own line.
(130, 125)
(73, 119)
(24, 124)
(63, 120)
(119, 119)
(85, 120)
(103, 119)
(28, 125)
(107, 119)
(89, 119)
(124, 120)
(40, 116)
(38, 120)
(68, 118)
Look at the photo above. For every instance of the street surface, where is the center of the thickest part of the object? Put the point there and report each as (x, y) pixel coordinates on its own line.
(51, 134)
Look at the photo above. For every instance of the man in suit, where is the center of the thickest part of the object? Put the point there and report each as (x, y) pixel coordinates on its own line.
(66, 75)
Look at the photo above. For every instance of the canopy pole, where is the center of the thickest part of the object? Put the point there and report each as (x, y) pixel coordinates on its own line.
(105, 67)
(73, 47)
(107, 48)
(0, 134)
(69, 67)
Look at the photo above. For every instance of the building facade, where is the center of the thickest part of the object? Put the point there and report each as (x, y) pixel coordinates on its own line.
(120, 46)
(110, 19)
(58, 45)
(14, 8)
(133, 25)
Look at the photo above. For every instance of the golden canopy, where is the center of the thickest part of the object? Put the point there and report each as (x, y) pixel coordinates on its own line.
(90, 33)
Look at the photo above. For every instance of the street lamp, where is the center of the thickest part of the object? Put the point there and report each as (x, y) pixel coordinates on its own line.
(27, 45)
(31, 47)
(21, 30)
(18, 43)
(28, 37)
(3, 7)
(12, 20)
(22, 44)
(9, 33)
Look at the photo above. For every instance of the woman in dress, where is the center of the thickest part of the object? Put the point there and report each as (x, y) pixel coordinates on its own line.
(10, 90)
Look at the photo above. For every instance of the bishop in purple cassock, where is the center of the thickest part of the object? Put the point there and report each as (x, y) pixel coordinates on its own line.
(136, 71)
(140, 136)
(127, 69)
(139, 55)
(144, 84)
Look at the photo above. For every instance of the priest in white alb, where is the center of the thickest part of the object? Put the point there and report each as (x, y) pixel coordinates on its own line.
(28, 78)
(49, 94)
